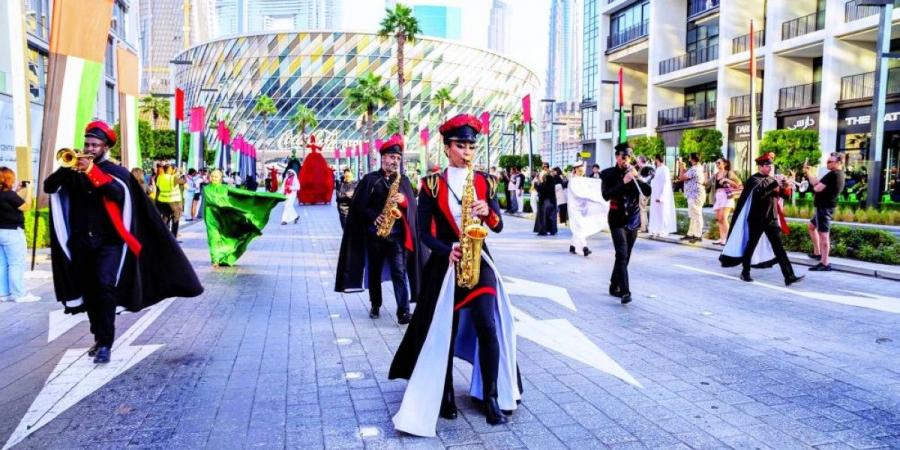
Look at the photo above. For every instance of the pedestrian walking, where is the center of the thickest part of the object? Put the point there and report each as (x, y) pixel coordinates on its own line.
(662, 219)
(623, 188)
(346, 190)
(513, 191)
(825, 191)
(14, 201)
(694, 180)
(545, 218)
(728, 188)
(168, 199)
(192, 193)
(291, 188)
(647, 172)
(561, 196)
(587, 209)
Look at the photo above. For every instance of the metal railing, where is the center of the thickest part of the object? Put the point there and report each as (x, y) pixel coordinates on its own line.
(800, 96)
(687, 113)
(740, 105)
(629, 34)
(803, 25)
(631, 122)
(692, 58)
(696, 7)
(741, 44)
(863, 85)
(854, 11)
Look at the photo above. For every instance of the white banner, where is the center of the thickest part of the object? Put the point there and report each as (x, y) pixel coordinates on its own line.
(587, 208)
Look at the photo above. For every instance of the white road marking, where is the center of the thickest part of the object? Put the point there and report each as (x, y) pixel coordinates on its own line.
(518, 286)
(862, 300)
(76, 376)
(60, 323)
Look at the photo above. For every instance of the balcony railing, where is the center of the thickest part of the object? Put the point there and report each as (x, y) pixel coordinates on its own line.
(631, 122)
(740, 105)
(854, 11)
(692, 58)
(696, 7)
(741, 44)
(863, 85)
(801, 96)
(803, 25)
(629, 34)
(687, 113)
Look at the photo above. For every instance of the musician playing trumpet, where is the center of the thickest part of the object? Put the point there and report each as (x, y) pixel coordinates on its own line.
(462, 304)
(381, 229)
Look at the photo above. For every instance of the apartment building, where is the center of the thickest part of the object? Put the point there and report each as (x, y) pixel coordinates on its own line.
(686, 65)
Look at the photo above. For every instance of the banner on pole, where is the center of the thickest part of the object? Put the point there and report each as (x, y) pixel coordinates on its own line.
(526, 109)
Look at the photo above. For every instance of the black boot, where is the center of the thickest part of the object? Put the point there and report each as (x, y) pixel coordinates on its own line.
(586, 251)
(374, 313)
(448, 405)
(572, 249)
(492, 412)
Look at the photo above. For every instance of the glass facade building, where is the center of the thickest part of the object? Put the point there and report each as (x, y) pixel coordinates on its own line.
(314, 69)
(439, 21)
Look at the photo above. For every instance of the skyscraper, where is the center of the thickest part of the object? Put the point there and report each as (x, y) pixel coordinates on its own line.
(563, 85)
(253, 16)
(166, 28)
(498, 31)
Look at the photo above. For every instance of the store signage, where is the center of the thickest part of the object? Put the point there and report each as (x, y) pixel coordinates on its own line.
(800, 122)
(740, 131)
(585, 154)
(859, 120)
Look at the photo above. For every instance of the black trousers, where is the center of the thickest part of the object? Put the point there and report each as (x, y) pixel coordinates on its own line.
(98, 268)
(773, 234)
(391, 250)
(549, 217)
(623, 241)
(481, 311)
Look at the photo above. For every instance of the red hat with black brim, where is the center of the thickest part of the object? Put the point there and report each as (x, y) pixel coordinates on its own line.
(462, 128)
(393, 145)
(766, 158)
(101, 130)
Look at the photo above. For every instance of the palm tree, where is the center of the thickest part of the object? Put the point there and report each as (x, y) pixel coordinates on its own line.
(265, 107)
(302, 119)
(402, 26)
(440, 99)
(156, 108)
(366, 97)
(518, 126)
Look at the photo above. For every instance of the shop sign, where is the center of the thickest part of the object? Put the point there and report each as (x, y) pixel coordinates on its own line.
(801, 122)
(740, 131)
(859, 120)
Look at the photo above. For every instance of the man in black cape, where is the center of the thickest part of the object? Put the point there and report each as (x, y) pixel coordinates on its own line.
(109, 246)
(763, 216)
(363, 253)
(545, 218)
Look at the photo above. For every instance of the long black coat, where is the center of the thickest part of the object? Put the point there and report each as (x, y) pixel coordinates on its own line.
(350, 276)
(765, 193)
(158, 271)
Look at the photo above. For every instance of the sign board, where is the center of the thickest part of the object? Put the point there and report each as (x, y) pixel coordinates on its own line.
(585, 154)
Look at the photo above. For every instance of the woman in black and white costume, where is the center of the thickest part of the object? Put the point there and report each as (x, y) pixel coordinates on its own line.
(474, 324)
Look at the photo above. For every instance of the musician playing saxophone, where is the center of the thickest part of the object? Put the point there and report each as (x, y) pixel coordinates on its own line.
(383, 200)
(450, 319)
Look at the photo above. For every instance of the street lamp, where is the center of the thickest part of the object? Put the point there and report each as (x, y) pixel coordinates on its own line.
(553, 126)
(551, 101)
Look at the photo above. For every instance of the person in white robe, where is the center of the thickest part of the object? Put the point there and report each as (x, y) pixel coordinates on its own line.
(587, 209)
(291, 188)
(662, 201)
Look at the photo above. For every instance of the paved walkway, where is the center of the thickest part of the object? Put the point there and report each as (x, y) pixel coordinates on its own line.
(270, 357)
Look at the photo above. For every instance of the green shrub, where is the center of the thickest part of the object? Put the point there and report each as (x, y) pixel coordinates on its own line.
(649, 146)
(680, 200)
(706, 142)
(792, 148)
(43, 236)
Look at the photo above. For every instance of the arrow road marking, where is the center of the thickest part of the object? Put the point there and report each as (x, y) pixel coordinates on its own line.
(60, 323)
(76, 376)
(560, 295)
(870, 301)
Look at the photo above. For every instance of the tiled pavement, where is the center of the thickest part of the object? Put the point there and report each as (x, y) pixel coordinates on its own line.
(270, 357)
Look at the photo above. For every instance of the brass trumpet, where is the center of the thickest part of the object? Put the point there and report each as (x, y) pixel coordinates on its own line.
(68, 158)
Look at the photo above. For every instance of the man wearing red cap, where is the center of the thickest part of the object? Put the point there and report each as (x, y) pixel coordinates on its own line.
(473, 323)
(363, 252)
(109, 246)
(758, 212)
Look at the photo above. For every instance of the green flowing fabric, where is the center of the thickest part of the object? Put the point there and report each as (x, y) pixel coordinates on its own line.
(234, 217)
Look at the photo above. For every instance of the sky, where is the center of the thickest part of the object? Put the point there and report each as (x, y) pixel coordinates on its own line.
(528, 31)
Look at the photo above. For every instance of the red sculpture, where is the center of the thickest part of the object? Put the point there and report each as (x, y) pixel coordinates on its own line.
(316, 177)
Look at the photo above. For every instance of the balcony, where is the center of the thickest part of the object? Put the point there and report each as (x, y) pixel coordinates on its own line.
(803, 25)
(686, 114)
(697, 7)
(740, 105)
(628, 35)
(801, 96)
(631, 122)
(692, 58)
(854, 11)
(862, 85)
(741, 44)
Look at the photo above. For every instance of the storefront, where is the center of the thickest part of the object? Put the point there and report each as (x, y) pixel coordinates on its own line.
(854, 134)
(738, 151)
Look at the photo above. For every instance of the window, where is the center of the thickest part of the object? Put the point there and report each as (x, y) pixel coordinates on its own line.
(589, 70)
(37, 74)
(633, 16)
(110, 102)
(36, 18)
(701, 37)
(705, 93)
(110, 55)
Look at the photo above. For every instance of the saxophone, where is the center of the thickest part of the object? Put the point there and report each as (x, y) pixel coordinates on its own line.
(468, 270)
(390, 213)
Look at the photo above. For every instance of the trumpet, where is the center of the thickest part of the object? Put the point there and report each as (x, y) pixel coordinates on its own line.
(68, 158)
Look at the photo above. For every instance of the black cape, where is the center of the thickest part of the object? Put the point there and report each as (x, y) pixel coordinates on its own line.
(351, 268)
(749, 192)
(160, 271)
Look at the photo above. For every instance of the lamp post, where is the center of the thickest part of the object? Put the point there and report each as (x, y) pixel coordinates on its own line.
(552, 102)
(553, 126)
(612, 118)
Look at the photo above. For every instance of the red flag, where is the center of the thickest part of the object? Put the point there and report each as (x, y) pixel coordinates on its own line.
(337, 154)
(423, 136)
(485, 122)
(365, 148)
(179, 104)
(224, 134)
(378, 143)
(198, 119)
(526, 109)
(348, 152)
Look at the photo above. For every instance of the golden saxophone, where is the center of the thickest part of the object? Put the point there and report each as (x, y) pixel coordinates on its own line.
(68, 158)
(468, 270)
(390, 213)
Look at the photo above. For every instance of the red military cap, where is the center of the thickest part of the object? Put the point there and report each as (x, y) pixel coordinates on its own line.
(101, 130)
(393, 145)
(464, 127)
(768, 157)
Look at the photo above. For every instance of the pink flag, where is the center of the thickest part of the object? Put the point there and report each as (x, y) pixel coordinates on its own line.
(198, 119)
(365, 148)
(486, 122)
(224, 133)
(348, 152)
(526, 109)
(337, 154)
(356, 150)
(378, 144)
(423, 136)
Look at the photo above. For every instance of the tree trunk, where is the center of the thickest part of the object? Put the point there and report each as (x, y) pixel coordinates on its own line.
(401, 41)
(370, 132)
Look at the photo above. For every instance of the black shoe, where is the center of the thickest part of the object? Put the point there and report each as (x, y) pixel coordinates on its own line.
(626, 299)
(295, 220)
(448, 406)
(403, 318)
(103, 354)
(686, 238)
(374, 313)
(542, 234)
(93, 350)
(820, 268)
(814, 256)
(615, 291)
(572, 249)
(492, 413)
(746, 277)
(586, 251)
(793, 279)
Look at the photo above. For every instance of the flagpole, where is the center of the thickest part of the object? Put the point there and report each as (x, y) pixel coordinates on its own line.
(753, 141)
